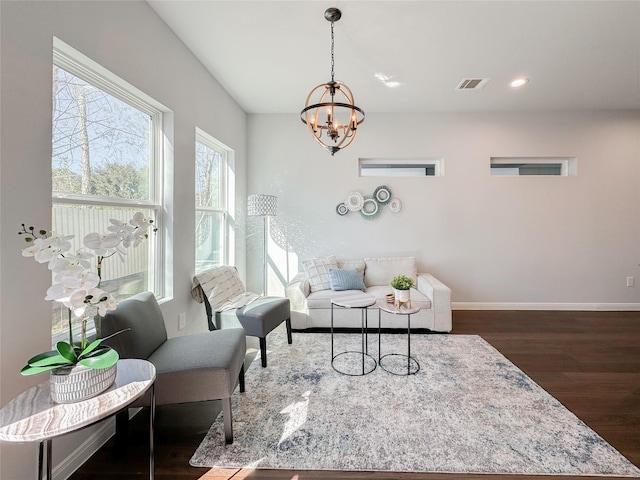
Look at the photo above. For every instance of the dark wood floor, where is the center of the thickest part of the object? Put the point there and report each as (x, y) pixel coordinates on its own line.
(590, 361)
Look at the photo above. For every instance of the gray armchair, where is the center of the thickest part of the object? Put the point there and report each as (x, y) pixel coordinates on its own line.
(223, 293)
(191, 368)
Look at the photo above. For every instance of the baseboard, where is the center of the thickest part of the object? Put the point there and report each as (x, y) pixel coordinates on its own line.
(73, 462)
(70, 464)
(612, 307)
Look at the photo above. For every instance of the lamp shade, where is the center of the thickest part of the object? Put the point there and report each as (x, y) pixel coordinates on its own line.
(262, 205)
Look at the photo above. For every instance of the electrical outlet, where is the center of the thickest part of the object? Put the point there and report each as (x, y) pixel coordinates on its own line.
(182, 321)
(630, 281)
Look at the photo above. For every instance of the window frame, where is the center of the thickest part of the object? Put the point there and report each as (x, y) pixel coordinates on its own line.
(81, 66)
(226, 191)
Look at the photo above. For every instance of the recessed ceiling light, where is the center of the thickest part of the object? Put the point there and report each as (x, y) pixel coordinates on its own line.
(519, 82)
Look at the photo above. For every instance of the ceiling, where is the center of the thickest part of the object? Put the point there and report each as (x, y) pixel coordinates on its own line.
(578, 55)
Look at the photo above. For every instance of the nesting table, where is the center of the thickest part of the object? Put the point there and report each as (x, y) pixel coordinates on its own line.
(412, 364)
(362, 301)
(33, 417)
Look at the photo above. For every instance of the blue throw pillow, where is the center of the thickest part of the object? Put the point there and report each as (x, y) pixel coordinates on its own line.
(345, 279)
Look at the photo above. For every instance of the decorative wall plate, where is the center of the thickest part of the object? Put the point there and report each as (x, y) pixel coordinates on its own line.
(382, 195)
(370, 208)
(341, 209)
(395, 205)
(354, 201)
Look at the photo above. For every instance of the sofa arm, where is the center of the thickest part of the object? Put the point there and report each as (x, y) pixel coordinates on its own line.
(440, 296)
(297, 290)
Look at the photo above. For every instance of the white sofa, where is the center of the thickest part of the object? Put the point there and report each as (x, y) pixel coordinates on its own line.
(310, 295)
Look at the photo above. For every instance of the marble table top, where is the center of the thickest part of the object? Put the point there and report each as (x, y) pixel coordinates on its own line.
(351, 299)
(403, 310)
(32, 416)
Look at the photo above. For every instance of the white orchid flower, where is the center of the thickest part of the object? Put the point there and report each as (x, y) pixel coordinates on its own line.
(33, 248)
(53, 247)
(84, 279)
(140, 222)
(83, 298)
(59, 292)
(71, 263)
(124, 230)
(102, 244)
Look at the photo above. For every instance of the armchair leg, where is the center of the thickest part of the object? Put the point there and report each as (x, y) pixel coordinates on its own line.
(241, 379)
(228, 424)
(289, 340)
(263, 351)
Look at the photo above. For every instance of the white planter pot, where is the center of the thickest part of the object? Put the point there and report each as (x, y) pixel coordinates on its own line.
(402, 298)
(77, 383)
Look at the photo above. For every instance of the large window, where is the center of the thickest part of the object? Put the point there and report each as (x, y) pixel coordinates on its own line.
(106, 164)
(212, 202)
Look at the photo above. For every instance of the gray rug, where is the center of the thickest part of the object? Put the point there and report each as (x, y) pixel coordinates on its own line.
(467, 410)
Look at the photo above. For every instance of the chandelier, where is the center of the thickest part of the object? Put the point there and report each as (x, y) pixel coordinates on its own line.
(330, 112)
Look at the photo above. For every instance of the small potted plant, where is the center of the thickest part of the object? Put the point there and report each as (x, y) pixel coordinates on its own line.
(401, 285)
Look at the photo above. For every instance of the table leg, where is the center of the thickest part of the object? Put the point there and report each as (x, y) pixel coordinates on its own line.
(40, 459)
(152, 417)
(409, 344)
(362, 337)
(379, 334)
(332, 332)
(49, 459)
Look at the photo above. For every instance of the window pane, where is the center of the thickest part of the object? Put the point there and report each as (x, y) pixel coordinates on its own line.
(122, 277)
(209, 192)
(101, 145)
(209, 240)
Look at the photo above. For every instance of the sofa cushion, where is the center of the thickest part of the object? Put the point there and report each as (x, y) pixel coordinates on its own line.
(323, 298)
(345, 279)
(317, 270)
(358, 264)
(380, 270)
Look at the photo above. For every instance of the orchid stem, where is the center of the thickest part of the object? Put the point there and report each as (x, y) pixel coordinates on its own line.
(70, 329)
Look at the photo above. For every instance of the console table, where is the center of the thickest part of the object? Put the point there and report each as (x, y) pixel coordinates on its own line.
(33, 417)
(362, 301)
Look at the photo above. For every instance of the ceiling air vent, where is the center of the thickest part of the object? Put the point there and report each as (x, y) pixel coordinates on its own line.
(472, 83)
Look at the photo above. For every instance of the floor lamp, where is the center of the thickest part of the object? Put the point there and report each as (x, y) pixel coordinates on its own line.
(263, 206)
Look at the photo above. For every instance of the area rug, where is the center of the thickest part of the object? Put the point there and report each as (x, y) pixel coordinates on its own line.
(467, 410)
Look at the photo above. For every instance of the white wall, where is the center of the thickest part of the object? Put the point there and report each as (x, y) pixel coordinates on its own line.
(130, 40)
(498, 242)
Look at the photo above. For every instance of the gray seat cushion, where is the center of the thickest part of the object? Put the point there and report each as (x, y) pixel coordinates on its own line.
(263, 315)
(199, 367)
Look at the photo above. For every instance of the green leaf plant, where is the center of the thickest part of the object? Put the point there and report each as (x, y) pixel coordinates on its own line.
(402, 282)
(93, 355)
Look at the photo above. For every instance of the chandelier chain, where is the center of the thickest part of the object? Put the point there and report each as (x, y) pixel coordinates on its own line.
(332, 62)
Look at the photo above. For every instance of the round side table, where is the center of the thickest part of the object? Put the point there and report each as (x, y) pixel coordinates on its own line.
(412, 364)
(362, 301)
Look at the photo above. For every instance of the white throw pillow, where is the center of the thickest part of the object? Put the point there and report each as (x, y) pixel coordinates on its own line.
(317, 270)
(380, 271)
(352, 263)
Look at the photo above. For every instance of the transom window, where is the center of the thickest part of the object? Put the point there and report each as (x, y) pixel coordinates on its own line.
(401, 167)
(524, 166)
(106, 163)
